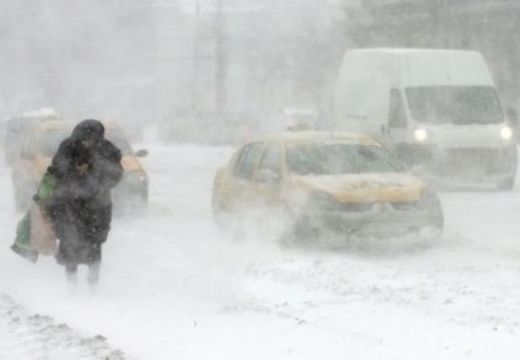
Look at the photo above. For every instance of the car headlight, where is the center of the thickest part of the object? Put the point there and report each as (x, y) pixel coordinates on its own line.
(506, 133)
(135, 178)
(420, 135)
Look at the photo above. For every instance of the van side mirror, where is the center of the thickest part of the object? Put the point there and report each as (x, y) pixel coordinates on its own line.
(396, 112)
(512, 117)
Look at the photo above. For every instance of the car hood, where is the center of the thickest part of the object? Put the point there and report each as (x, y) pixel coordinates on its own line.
(366, 187)
(131, 164)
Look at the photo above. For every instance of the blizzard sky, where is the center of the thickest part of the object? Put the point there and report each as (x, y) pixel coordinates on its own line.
(173, 286)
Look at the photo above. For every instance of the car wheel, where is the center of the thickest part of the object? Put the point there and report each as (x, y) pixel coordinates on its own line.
(430, 206)
(224, 218)
(299, 233)
(221, 218)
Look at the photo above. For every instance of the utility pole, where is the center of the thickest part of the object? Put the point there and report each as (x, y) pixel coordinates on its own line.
(196, 101)
(220, 59)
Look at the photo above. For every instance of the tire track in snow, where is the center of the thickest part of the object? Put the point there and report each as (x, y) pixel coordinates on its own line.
(26, 336)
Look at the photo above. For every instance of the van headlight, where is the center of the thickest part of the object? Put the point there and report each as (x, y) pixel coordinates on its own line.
(421, 135)
(506, 133)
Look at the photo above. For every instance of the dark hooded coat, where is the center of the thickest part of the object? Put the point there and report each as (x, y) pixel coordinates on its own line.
(81, 207)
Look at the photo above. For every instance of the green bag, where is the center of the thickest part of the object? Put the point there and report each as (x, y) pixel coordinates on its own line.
(46, 188)
(22, 243)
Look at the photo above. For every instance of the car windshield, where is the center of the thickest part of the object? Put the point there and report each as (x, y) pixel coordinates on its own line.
(50, 140)
(116, 137)
(336, 159)
(461, 105)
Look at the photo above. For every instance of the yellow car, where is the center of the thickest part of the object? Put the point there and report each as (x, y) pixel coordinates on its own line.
(322, 181)
(42, 141)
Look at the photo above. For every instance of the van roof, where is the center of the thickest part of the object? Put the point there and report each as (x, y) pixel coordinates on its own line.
(420, 67)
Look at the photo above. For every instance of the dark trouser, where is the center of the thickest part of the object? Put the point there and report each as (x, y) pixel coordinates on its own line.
(81, 237)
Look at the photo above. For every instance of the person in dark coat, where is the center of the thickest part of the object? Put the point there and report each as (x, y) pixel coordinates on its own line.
(87, 167)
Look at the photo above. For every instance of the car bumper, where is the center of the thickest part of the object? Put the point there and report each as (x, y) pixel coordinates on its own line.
(131, 190)
(383, 221)
(475, 164)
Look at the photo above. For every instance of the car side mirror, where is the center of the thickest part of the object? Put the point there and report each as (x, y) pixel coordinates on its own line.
(141, 153)
(268, 176)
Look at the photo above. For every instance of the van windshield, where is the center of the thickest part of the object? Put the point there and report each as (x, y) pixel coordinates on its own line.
(336, 159)
(460, 105)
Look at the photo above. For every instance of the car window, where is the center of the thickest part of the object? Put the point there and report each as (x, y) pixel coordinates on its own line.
(25, 149)
(247, 160)
(336, 159)
(272, 159)
(49, 141)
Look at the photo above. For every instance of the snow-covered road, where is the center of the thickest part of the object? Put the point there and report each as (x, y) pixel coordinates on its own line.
(172, 287)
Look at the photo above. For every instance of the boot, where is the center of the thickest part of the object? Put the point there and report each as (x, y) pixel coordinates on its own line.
(93, 273)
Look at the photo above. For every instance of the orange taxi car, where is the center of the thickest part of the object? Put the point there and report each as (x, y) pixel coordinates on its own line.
(323, 181)
(40, 145)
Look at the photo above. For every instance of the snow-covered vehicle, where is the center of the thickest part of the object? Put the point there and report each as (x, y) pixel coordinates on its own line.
(438, 109)
(41, 143)
(323, 181)
(18, 126)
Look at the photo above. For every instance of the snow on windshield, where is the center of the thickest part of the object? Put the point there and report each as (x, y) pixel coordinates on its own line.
(460, 105)
(336, 159)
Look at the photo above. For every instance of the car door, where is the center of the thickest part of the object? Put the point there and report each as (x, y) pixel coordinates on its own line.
(269, 176)
(242, 185)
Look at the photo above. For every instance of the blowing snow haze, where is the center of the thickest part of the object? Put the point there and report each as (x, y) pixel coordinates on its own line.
(298, 179)
(142, 61)
(85, 57)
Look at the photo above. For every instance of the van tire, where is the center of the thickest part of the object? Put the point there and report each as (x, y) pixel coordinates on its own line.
(506, 185)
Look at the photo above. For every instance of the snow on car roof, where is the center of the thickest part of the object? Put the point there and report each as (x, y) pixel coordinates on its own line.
(52, 125)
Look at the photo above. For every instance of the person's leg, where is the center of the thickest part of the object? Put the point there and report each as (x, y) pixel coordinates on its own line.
(94, 263)
(71, 272)
(93, 272)
(95, 235)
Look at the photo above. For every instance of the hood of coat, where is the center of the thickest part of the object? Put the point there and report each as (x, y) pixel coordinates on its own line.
(89, 130)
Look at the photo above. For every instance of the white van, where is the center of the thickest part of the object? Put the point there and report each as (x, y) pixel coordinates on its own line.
(438, 108)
